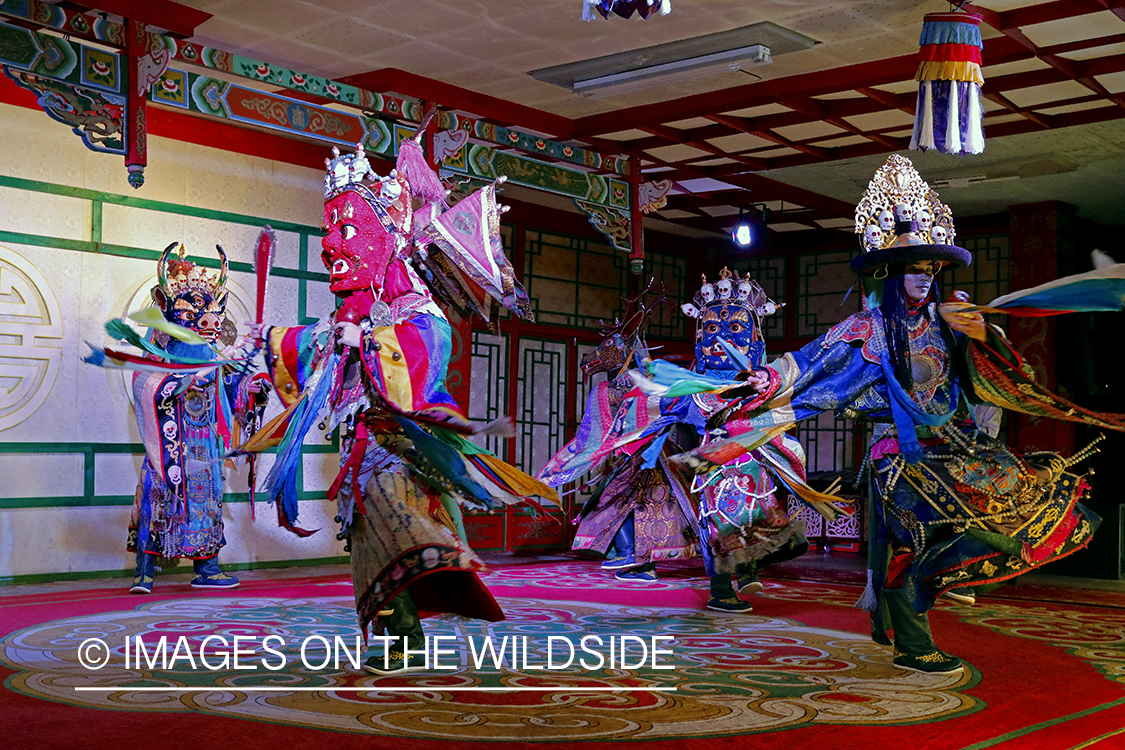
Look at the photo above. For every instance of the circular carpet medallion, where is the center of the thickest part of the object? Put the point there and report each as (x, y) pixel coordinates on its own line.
(732, 674)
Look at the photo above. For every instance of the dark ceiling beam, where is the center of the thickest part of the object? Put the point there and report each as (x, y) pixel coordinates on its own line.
(1055, 10)
(998, 130)
(1007, 83)
(750, 95)
(1070, 68)
(758, 187)
(454, 97)
(750, 125)
(853, 107)
(839, 108)
(1011, 106)
(823, 111)
(1117, 8)
(1081, 44)
(672, 133)
(178, 20)
(904, 102)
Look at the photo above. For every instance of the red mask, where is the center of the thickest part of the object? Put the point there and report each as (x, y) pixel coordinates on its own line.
(357, 248)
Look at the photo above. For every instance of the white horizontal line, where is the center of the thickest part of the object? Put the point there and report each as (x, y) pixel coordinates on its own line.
(375, 689)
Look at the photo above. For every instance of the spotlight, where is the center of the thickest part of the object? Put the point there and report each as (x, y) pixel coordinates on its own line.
(743, 235)
(751, 227)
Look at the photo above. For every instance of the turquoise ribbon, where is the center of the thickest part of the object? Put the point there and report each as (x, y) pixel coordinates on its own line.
(907, 413)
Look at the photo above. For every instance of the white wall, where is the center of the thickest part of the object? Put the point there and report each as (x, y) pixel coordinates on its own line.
(55, 518)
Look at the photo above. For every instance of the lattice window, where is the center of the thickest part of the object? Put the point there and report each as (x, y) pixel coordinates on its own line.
(668, 321)
(572, 281)
(770, 273)
(828, 441)
(541, 389)
(823, 279)
(814, 522)
(488, 387)
(986, 278)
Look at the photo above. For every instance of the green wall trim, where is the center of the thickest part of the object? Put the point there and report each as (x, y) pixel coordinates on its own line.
(186, 569)
(88, 498)
(134, 202)
(141, 253)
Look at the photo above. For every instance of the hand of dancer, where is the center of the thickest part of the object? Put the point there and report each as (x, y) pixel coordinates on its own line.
(254, 333)
(969, 323)
(348, 334)
(759, 380)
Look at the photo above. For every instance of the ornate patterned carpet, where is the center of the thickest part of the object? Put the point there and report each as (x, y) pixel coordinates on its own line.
(798, 671)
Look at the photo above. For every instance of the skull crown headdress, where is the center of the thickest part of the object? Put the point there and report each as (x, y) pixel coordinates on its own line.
(729, 312)
(190, 295)
(177, 276)
(728, 290)
(901, 219)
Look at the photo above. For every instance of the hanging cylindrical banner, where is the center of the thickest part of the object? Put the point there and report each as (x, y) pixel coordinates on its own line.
(948, 115)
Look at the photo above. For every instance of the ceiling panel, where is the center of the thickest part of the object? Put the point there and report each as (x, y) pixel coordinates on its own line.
(804, 131)
(1115, 82)
(1052, 92)
(678, 152)
(488, 46)
(1075, 28)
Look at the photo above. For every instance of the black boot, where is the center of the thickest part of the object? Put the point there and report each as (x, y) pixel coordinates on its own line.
(723, 598)
(405, 625)
(914, 643)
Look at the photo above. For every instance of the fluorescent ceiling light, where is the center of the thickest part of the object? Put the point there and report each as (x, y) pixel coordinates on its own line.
(677, 70)
(734, 49)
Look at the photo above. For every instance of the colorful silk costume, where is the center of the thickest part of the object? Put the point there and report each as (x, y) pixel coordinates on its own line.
(406, 464)
(640, 511)
(742, 522)
(189, 409)
(951, 506)
(742, 504)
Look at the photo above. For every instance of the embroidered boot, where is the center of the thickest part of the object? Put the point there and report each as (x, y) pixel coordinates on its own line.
(208, 575)
(403, 623)
(620, 554)
(914, 643)
(145, 573)
(723, 598)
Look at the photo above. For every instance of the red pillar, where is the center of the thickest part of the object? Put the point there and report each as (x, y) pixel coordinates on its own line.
(136, 102)
(1039, 233)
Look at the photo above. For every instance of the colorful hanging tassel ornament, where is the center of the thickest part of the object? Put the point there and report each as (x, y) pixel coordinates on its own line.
(624, 8)
(948, 115)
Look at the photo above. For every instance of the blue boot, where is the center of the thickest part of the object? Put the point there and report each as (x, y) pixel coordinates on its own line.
(145, 573)
(620, 554)
(645, 574)
(208, 575)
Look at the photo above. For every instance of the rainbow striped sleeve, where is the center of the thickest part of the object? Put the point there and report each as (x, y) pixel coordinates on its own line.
(408, 362)
(289, 357)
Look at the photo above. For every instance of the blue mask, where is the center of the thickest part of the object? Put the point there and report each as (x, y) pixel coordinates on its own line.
(732, 322)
